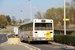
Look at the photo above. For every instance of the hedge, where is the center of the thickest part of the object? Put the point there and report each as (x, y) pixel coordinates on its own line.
(65, 39)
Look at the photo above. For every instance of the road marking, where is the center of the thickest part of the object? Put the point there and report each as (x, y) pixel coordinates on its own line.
(26, 46)
(32, 46)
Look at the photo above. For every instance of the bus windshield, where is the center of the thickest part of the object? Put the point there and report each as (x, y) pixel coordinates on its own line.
(43, 26)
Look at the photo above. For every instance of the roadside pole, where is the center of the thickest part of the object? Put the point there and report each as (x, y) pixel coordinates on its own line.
(64, 18)
(30, 10)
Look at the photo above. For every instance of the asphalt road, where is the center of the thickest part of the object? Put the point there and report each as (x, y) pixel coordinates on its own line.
(13, 47)
(49, 46)
(11, 36)
(3, 38)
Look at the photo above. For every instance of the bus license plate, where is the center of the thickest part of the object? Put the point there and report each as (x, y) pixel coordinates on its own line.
(43, 39)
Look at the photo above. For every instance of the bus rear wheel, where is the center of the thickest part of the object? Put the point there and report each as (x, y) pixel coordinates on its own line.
(29, 40)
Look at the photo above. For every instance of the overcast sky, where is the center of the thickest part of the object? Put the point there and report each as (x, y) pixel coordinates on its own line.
(14, 7)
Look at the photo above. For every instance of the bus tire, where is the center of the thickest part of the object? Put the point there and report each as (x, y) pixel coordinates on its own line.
(29, 40)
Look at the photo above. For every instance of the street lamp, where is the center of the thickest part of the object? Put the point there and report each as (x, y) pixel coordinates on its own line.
(22, 15)
(64, 18)
(30, 9)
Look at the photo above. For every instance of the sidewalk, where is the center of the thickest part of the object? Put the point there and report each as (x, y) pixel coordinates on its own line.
(13, 47)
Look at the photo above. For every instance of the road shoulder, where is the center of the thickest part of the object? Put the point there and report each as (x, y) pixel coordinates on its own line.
(62, 44)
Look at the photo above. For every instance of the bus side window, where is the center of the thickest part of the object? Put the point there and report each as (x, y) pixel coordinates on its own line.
(27, 27)
(31, 27)
(24, 27)
(49, 25)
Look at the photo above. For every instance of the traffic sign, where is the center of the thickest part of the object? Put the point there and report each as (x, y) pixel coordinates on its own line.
(15, 29)
(65, 19)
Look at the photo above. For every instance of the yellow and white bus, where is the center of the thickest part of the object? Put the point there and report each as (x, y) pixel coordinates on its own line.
(37, 30)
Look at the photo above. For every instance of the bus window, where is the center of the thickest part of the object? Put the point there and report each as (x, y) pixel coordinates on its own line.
(43, 26)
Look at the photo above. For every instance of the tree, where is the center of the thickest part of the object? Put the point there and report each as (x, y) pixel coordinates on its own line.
(38, 15)
(20, 21)
(8, 19)
(13, 20)
(68, 11)
(25, 20)
(60, 15)
(57, 14)
(3, 21)
(50, 13)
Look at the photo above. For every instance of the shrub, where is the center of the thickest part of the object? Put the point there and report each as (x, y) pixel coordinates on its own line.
(65, 39)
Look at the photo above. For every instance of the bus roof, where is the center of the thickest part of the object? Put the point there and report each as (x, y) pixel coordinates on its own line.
(31, 21)
(27, 23)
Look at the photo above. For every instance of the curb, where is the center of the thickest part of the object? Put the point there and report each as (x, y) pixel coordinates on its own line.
(62, 44)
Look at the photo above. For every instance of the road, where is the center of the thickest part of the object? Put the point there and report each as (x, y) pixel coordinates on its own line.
(13, 47)
(5, 46)
(3, 38)
(49, 46)
(11, 36)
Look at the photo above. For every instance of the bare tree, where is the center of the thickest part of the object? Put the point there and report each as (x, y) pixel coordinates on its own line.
(38, 15)
(13, 20)
(25, 20)
(20, 21)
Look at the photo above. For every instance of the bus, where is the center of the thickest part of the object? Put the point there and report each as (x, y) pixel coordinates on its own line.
(37, 30)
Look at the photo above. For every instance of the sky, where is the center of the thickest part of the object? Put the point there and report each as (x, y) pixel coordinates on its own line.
(14, 7)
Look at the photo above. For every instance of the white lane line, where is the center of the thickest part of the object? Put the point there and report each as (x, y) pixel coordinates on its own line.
(32, 46)
(27, 47)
